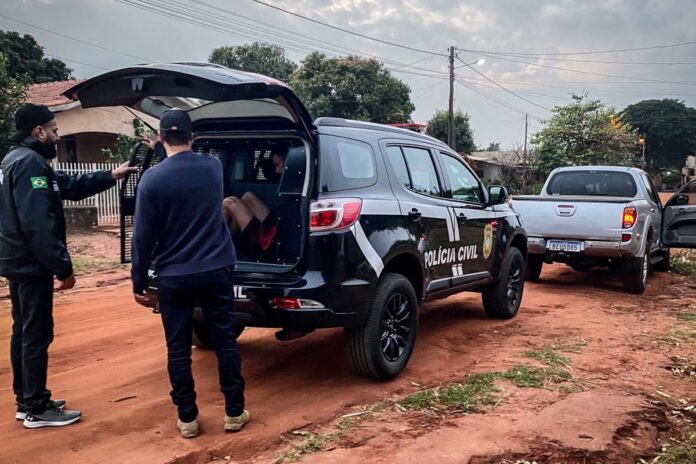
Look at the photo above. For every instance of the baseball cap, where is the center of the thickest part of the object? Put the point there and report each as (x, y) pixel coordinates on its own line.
(27, 117)
(176, 120)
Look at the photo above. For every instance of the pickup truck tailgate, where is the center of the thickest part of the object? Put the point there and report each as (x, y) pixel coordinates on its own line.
(572, 217)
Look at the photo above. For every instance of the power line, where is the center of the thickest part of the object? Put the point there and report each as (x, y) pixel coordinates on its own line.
(347, 31)
(78, 62)
(76, 39)
(656, 63)
(499, 57)
(505, 88)
(594, 52)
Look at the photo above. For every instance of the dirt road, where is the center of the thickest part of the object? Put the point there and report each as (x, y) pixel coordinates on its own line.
(625, 360)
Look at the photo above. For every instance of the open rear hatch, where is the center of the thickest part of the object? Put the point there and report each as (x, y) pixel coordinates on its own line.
(220, 101)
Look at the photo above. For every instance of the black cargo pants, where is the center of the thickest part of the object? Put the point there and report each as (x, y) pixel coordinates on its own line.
(32, 333)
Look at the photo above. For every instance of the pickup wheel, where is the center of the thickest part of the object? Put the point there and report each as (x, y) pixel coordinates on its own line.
(663, 264)
(382, 347)
(534, 265)
(636, 272)
(201, 334)
(502, 299)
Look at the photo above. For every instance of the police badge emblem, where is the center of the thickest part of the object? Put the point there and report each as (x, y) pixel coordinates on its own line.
(487, 241)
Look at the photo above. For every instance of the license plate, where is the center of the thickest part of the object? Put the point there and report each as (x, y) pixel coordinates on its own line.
(564, 245)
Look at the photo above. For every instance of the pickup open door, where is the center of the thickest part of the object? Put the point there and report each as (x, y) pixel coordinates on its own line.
(679, 218)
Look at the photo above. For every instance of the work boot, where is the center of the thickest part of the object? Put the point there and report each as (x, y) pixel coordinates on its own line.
(188, 429)
(58, 405)
(51, 418)
(235, 424)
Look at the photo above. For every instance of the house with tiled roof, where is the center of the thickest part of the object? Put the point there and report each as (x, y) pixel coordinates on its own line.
(84, 132)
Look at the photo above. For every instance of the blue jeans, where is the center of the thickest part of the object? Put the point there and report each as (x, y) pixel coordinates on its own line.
(213, 292)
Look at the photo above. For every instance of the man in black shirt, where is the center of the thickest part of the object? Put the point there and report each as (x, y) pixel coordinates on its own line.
(33, 249)
(178, 227)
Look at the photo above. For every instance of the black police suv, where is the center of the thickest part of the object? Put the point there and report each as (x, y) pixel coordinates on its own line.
(371, 220)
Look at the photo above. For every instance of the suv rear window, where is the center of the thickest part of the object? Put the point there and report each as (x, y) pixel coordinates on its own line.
(345, 164)
(592, 183)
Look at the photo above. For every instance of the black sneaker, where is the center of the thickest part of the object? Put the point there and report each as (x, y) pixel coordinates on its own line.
(52, 404)
(51, 418)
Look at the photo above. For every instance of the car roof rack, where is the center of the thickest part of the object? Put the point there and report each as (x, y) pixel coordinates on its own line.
(340, 122)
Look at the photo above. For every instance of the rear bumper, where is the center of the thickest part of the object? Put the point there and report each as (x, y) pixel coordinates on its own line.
(593, 248)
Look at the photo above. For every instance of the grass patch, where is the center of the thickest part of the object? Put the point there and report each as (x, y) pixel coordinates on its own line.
(680, 452)
(575, 346)
(535, 377)
(690, 317)
(548, 356)
(684, 263)
(311, 443)
(680, 335)
(81, 264)
(477, 389)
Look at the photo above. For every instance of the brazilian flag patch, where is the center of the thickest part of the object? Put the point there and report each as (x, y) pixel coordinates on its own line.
(39, 183)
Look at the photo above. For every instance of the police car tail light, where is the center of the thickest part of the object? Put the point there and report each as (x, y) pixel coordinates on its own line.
(295, 303)
(334, 213)
(629, 217)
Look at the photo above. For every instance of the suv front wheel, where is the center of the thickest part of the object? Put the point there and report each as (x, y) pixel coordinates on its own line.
(382, 348)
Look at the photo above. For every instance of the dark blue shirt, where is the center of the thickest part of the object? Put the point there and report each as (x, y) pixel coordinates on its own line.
(178, 221)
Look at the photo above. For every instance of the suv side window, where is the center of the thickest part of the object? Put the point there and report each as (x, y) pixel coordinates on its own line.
(345, 164)
(422, 171)
(396, 158)
(465, 186)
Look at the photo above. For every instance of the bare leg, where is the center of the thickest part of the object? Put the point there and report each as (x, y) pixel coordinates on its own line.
(257, 207)
(237, 213)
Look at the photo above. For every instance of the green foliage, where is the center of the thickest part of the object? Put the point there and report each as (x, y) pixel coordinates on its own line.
(477, 389)
(26, 60)
(585, 132)
(124, 144)
(353, 88)
(12, 93)
(464, 135)
(548, 356)
(669, 128)
(684, 263)
(535, 377)
(493, 146)
(269, 60)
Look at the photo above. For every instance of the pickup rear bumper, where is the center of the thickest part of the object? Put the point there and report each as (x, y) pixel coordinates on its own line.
(594, 248)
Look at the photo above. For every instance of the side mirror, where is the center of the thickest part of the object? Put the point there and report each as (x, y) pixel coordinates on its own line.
(498, 194)
(680, 200)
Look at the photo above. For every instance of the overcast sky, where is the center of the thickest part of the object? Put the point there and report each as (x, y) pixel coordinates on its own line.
(479, 29)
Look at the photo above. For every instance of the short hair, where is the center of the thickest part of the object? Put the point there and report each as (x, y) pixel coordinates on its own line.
(175, 138)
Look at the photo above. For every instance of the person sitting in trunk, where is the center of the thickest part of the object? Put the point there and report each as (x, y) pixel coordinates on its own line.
(251, 221)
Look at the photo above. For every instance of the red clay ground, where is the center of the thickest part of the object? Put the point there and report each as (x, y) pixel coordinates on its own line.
(108, 360)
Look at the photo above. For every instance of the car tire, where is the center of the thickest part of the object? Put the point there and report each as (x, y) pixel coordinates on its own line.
(534, 265)
(636, 271)
(663, 264)
(382, 347)
(201, 334)
(502, 298)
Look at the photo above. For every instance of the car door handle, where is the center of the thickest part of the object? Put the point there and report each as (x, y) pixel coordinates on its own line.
(461, 218)
(414, 215)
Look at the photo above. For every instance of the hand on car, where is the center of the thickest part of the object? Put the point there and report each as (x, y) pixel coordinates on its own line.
(147, 299)
(66, 284)
(150, 140)
(122, 171)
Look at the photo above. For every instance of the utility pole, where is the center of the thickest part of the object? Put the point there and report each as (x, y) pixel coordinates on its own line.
(525, 157)
(450, 116)
(525, 137)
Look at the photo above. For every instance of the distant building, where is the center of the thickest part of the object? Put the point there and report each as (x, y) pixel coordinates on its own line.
(83, 131)
(689, 169)
(489, 165)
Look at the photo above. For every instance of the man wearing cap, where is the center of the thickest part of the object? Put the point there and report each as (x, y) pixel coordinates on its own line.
(33, 250)
(178, 226)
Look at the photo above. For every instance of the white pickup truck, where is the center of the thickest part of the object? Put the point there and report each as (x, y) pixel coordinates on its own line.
(606, 216)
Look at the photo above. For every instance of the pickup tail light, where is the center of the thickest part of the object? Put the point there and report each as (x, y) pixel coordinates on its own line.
(625, 237)
(334, 213)
(629, 217)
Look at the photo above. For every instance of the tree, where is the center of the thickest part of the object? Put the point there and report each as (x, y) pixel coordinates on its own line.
(124, 144)
(493, 146)
(585, 132)
(26, 60)
(669, 128)
(464, 135)
(353, 88)
(260, 58)
(12, 93)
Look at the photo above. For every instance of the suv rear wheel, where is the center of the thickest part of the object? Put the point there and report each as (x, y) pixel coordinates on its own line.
(502, 299)
(201, 334)
(382, 348)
